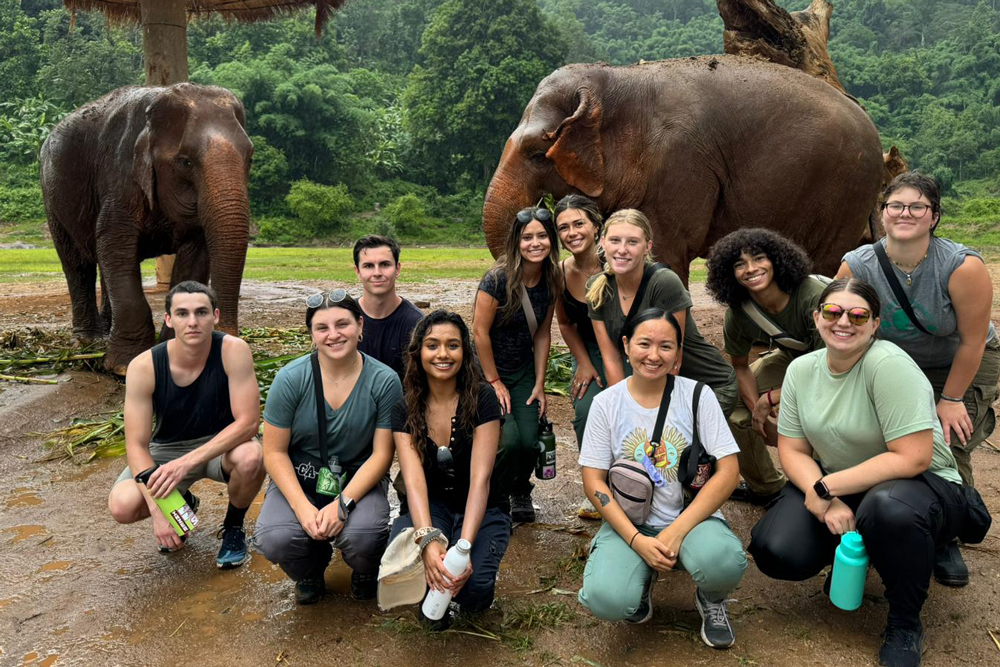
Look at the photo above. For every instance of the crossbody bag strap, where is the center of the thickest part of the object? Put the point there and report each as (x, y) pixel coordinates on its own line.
(320, 408)
(647, 273)
(695, 446)
(897, 289)
(770, 327)
(661, 415)
(529, 312)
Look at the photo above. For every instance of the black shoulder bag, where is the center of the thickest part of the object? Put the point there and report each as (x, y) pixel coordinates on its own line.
(897, 289)
(696, 466)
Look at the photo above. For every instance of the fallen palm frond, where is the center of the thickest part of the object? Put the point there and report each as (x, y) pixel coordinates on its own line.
(31, 352)
(559, 372)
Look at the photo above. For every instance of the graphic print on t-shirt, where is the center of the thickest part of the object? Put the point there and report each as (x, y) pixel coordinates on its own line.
(638, 445)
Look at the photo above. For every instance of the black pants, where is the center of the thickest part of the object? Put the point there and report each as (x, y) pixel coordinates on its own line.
(902, 521)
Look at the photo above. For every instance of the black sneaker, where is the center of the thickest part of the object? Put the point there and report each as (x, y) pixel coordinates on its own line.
(194, 502)
(716, 631)
(743, 494)
(364, 586)
(309, 590)
(521, 509)
(902, 645)
(233, 551)
(949, 567)
(644, 611)
(439, 625)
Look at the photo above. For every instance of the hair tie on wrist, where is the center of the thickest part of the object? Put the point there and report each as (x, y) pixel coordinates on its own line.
(633, 539)
(952, 400)
(494, 381)
(769, 401)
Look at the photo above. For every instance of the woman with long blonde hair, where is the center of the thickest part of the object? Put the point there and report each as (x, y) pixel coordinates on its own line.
(627, 240)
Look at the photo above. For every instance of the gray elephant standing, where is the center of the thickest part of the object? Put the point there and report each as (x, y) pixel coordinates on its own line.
(143, 172)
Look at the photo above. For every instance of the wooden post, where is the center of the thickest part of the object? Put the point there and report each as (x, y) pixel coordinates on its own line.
(164, 43)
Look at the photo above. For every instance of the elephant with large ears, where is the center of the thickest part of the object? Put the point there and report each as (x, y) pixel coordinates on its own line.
(143, 172)
(702, 146)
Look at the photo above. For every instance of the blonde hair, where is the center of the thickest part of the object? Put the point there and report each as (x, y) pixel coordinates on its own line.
(600, 289)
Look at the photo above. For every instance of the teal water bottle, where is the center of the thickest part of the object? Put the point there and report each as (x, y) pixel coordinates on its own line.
(850, 569)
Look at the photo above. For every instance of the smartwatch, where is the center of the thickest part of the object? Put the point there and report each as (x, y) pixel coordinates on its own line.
(347, 506)
(820, 488)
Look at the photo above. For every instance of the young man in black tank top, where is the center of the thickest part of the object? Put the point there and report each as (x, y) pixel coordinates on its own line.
(203, 392)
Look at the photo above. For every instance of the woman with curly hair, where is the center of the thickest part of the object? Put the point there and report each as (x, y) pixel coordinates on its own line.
(764, 280)
(447, 428)
(524, 282)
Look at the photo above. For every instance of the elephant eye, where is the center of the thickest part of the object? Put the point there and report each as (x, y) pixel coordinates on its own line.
(184, 162)
(538, 156)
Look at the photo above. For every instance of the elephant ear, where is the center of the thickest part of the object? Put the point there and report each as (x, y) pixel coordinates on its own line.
(142, 165)
(577, 153)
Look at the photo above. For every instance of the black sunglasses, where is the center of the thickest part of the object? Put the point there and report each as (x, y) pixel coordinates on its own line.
(540, 214)
(332, 298)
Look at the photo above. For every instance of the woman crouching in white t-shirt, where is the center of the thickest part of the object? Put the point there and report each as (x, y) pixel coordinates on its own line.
(625, 559)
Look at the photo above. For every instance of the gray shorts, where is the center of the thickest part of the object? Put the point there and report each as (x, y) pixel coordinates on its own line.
(166, 452)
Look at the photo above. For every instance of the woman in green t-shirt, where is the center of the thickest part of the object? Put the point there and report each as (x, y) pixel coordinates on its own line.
(764, 280)
(627, 240)
(862, 446)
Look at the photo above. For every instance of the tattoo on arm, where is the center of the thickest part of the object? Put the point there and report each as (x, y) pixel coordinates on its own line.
(602, 498)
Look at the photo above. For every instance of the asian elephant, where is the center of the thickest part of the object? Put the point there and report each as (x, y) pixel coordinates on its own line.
(143, 172)
(702, 146)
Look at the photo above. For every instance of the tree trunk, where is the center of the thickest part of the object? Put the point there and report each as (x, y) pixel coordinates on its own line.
(760, 28)
(164, 46)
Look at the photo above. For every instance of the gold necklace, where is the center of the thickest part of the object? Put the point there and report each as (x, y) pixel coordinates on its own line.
(909, 276)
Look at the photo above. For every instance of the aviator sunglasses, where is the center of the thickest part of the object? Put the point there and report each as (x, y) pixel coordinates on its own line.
(831, 312)
(541, 215)
(332, 298)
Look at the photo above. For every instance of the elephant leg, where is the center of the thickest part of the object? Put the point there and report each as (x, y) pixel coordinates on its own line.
(190, 263)
(132, 329)
(105, 307)
(81, 279)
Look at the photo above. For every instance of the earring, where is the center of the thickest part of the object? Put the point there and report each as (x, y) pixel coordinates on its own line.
(361, 337)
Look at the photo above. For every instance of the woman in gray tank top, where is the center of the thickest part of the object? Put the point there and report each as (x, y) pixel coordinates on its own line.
(950, 295)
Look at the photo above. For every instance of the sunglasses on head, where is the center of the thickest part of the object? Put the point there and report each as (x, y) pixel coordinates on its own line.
(332, 298)
(540, 214)
(831, 312)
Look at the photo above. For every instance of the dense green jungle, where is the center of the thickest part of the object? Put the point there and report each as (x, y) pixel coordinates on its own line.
(394, 119)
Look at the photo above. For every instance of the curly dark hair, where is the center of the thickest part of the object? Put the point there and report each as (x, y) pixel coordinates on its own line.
(416, 391)
(790, 262)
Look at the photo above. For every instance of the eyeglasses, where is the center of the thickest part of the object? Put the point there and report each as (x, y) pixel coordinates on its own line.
(541, 214)
(332, 298)
(831, 312)
(895, 209)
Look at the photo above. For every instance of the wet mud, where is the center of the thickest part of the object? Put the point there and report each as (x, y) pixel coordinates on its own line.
(78, 589)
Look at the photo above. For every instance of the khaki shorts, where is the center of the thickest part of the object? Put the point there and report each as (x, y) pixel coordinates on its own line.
(166, 452)
(979, 397)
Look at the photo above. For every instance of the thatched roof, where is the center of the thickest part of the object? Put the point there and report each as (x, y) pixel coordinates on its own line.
(127, 11)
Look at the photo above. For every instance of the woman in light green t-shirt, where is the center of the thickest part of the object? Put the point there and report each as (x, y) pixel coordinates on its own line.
(862, 447)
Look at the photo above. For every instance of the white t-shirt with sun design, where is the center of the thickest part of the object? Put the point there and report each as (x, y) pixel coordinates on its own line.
(618, 426)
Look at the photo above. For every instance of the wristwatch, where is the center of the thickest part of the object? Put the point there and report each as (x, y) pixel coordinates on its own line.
(347, 506)
(820, 488)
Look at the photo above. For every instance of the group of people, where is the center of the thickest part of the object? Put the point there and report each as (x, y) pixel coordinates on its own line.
(875, 388)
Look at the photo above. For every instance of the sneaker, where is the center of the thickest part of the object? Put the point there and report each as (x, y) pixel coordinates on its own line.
(588, 511)
(716, 630)
(644, 611)
(743, 494)
(949, 567)
(309, 590)
(521, 509)
(902, 646)
(364, 586)
(439, 625)
(233, 551)
(193, 502)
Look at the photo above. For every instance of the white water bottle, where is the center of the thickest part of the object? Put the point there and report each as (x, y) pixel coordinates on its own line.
(455, 561)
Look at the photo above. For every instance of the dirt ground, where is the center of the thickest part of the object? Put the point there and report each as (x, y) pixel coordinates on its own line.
(78, 589)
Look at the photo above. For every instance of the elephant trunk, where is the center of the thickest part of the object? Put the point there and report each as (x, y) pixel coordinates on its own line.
(504, 198)
(224, 210)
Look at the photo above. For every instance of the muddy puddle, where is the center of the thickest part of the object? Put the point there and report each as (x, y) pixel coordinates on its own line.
(78, 589)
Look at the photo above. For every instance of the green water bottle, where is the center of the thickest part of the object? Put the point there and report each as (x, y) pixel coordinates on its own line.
(850, 569)
(180, 515)
(545, 467)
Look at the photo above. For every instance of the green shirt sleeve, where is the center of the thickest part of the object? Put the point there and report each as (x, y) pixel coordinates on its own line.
(595, 314)
(902, 396)
(737, 343)
(283, 398)
(388, 391)
(666, 291)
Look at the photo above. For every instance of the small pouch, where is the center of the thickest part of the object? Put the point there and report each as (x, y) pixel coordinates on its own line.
(696, 466)
(977, 517)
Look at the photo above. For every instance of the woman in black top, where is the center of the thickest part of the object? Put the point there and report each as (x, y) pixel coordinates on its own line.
(447, 430)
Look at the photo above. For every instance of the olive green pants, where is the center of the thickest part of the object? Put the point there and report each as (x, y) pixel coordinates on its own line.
(519, 445)
(756, 465)
(979, 398)
(581, 406)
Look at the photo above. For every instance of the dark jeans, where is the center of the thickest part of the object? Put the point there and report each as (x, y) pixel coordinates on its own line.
(487, 550)
(519, 445)
(901, 521)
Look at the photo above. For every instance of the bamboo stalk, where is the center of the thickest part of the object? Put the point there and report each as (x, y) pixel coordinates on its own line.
(21, 378)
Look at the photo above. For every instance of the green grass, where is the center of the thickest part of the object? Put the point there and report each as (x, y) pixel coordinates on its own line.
(34, 232)
(983, 234)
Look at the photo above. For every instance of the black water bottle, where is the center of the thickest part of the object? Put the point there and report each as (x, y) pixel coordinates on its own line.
(545, 467)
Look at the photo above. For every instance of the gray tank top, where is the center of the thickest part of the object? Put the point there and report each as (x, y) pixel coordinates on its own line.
(929, 297)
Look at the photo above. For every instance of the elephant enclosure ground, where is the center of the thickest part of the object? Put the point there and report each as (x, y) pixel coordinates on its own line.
(77, 589)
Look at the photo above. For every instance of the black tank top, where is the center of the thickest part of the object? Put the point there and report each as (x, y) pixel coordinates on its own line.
(576, 311)
(198, 410)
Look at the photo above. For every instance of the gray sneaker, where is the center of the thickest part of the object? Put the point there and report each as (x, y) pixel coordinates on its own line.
(644, 611)
(715, 628)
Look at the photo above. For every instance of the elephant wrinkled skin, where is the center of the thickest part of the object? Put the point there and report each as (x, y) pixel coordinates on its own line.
(702, 146)
(143, 172)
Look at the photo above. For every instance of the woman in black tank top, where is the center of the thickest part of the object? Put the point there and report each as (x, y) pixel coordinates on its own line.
(578, 223)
